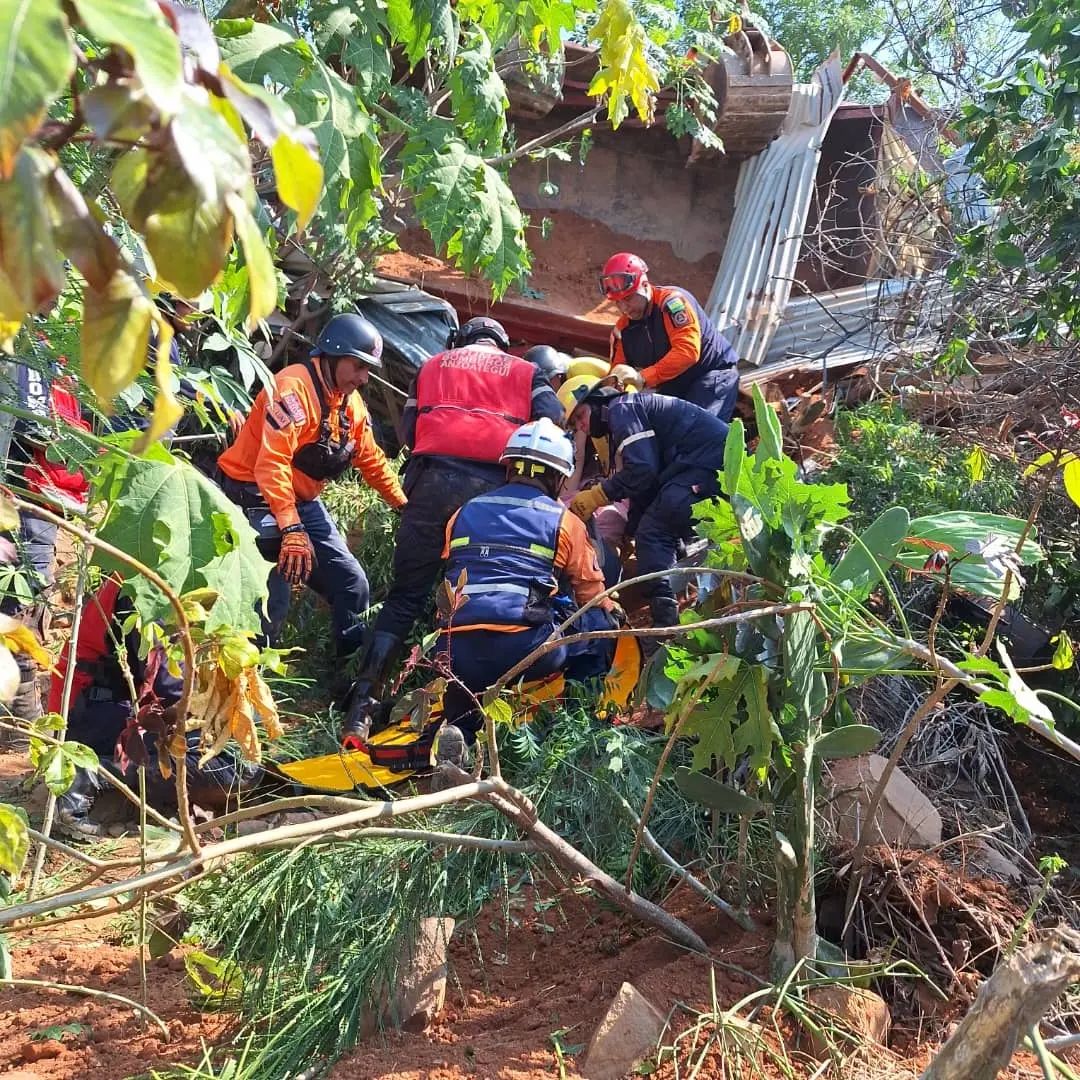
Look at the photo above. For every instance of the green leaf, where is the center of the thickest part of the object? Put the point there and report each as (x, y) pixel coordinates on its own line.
(262, 277)
(470, 212)
(299, 176)
(1064, 654)
(977, 462)
(217, 982)
(37, 62)
(800, 643)
(478, 97)
(139, 27)
(1008, 254)
(498, 710)
(703, 789)
(422, 26)
(160, 509)
(954, 529)
(79, 234)
(31, 270)
(81, 755)
(355, 32)
(14, 840)
(115, 335)
(770, 434)
(734, 457)
(57, 770)
(846, 742)
(860, 569)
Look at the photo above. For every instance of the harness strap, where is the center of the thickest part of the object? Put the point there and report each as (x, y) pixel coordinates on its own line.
(320, 393)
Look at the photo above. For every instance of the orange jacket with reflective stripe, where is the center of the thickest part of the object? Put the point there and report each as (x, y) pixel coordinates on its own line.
(276, 428)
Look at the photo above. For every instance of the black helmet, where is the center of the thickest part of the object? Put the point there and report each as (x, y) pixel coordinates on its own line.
(548, 360)
(477, 329)
(350, 335)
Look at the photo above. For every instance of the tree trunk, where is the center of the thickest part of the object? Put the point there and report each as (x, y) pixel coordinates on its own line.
(1011, 1003)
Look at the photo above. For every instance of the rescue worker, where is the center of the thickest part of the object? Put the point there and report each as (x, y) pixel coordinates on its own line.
(519, 548)
(462, 407)
(103, 717)
(666, 340)
(309, 431)
(551, 363)
(666, 454)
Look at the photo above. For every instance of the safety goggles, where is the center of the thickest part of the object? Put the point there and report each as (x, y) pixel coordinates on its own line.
(616, 286)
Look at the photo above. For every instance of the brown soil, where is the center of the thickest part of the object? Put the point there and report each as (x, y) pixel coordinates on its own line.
(561, 279)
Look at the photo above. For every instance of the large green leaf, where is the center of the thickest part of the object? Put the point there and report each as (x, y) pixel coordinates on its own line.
(170, 517)
(36, 60)
(734, 457)
(955, 529)
(477, 95)
(14, 839)
(470, 213)
(800, 643)
(702, 788)
(859, 570)
(139, 27)
(423, 27)
(355, 30)
(115, 335)
(770, 434)
(265, 51)
(848, 741)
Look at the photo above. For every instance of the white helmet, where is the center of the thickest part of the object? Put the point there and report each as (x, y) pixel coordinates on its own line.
(544, 443)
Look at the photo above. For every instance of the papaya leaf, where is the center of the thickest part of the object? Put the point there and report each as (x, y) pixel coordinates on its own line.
(848, 741)
(14, 839)
(115, 335)
(140, 28)
(161, 507)
(478, 95)
(38, 60)
(624, 71)
(470, 212)
(701, 788)
(423, 26)
(31, 270)
(355, 31)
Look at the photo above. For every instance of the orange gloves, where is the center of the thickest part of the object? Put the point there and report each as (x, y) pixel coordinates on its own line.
(297, 557)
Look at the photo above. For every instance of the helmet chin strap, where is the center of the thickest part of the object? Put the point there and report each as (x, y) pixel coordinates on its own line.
(329, 371)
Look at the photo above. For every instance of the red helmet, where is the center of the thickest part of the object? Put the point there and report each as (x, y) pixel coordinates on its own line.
(623, 275)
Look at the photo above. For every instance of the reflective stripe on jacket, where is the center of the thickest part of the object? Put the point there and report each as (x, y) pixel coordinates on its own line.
(470, 401)
(506, 543)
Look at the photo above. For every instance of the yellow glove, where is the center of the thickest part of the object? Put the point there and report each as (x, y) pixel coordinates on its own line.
(586, 503)
(627, 376)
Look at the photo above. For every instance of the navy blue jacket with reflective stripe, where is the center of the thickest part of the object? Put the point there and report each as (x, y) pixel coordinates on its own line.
(654, 437)
(506, 542)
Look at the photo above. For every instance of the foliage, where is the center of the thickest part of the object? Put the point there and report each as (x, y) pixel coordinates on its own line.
(316, 932)
(769, 694)
(888, 458)
(1024, 132)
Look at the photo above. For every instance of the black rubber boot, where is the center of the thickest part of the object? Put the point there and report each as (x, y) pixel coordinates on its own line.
(664, 611)
(73, 807)
(380, 657)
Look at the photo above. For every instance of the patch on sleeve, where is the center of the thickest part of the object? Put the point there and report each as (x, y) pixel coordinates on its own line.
(292, 405)
(676, 308)
(276, 416)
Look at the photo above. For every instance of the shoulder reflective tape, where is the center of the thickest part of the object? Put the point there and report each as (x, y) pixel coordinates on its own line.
(545, 389)
(509, 500)
(410, 403)
(650, 434)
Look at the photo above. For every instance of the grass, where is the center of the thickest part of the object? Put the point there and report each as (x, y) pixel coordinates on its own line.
(317, 931)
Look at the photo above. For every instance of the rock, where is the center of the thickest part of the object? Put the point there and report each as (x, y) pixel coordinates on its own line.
(626, 1036)
(421, 986)
(42, 1051)
(862, 1012)
(252, 825)
(988, 860)
(906, 817)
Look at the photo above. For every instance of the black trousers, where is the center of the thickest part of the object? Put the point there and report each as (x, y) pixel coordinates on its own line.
(436, 488)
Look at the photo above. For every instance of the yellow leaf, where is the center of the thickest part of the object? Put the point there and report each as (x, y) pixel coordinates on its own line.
(20, 638)
(263, 702)
(242, 720)
(9, 516)
(237, 653)
(734, 23)
(115, 335)
(262, 278)
(624, 64)
(977, 462)
(167, 410)
(299, 176)
(1070, 475)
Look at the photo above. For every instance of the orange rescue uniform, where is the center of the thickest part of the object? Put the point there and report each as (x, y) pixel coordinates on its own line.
(275, 429)
(683, 333)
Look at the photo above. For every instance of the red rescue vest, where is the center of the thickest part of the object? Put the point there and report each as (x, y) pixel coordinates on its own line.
(470, 401)
(93, 646)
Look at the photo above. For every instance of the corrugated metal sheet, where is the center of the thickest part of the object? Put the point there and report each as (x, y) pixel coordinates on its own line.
(772, 198)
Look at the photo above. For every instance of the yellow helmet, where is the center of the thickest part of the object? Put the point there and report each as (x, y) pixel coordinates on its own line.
(588, 365)
(575, 390)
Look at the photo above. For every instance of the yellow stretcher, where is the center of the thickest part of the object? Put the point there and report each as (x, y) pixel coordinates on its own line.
(348, 770)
